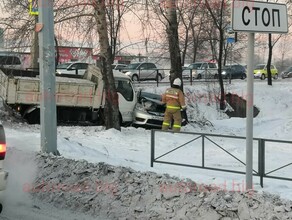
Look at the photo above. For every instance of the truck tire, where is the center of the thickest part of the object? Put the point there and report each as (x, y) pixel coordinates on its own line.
(33, 117)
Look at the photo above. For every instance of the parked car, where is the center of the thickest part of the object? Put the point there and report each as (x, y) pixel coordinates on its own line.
(117, 67)
(143, 71)
(10, 61)
(149, 110)
(200, 70)
(3, 173)
(77, 68)
(287, 73)
(260, 71)
(234, 71)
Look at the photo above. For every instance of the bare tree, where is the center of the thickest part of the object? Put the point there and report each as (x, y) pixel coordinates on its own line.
(216, 10)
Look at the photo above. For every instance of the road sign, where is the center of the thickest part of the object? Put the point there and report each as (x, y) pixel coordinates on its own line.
(230, 40)
(263, 17)
(33, 7)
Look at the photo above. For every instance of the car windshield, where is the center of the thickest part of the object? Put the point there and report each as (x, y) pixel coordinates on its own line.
(132, 66)
(226, 67)
(195, 66)
(124, 87)
(63, 65)
(260, 66)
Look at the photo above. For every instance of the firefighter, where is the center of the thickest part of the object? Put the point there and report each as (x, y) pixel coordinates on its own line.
(175, 102)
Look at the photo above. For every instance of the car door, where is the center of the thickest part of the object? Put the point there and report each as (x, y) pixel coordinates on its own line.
(152, 72)
(212, 70)
(143, 71)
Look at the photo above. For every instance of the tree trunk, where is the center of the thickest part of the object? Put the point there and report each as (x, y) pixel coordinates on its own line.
(270, 60)
(111, 109)
(222, 98)
(35, 49)
(173, 41)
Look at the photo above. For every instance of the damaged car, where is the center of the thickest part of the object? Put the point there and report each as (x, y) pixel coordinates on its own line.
(149, 110)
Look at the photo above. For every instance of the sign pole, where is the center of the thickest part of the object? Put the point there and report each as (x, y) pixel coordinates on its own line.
(249, 112)
(45, 27)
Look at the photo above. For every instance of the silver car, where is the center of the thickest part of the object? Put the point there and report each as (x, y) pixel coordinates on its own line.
(149, 111)
(73, 68)
(144, 71)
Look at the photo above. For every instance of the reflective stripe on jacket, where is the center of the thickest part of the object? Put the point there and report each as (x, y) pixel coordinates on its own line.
(174, 98)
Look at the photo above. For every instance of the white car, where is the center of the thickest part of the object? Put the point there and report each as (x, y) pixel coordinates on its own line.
(200, 70)
(117, 67)
(3, 173)
(73, 68)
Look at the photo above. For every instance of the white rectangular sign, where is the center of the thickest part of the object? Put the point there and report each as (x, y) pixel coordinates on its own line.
(264, 17)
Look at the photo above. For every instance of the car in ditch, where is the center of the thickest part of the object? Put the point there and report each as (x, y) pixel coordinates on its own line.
(3, 173)
(149, 111)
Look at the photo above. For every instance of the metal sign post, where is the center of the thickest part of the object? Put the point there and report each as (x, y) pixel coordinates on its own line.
(45, 27)
(250, 16)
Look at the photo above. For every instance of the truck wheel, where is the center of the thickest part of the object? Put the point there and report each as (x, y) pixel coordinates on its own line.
(263, 76)
(135, 78)
(276, 76)
(1, 207)
(33, 117)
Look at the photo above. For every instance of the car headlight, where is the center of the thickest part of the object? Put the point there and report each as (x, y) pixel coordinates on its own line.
(259, 72)
(128, 73)
(140, 107)
(224, 73)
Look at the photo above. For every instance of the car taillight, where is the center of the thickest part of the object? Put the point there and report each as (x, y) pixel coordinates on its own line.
(2, 151)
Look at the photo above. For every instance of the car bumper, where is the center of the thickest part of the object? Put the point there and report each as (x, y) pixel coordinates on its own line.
(145, 119)
(257, 75)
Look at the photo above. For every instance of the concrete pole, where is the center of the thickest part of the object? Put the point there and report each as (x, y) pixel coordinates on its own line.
(249, 112)
(47, 77)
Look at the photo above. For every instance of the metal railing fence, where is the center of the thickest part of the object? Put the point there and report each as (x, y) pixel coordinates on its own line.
(261, 170)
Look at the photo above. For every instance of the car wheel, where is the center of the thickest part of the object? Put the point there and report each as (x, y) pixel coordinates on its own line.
(199, 76)
(216, 76)
(276, 76)
(243, 76)
(263, 77)
(135, 78)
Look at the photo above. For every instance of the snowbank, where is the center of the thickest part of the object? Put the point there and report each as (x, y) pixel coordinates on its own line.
(121, 193)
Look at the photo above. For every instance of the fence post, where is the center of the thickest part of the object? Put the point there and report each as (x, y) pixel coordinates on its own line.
(203, 150)
(191, 76)
(261, 161)
(157, 77)
(152, 147)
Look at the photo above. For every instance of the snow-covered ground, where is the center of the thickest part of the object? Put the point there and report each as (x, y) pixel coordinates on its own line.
(131, 146)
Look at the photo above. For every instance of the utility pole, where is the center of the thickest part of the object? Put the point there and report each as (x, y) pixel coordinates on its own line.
(45, 28)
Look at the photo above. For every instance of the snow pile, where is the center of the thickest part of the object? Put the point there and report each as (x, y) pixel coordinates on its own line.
(121, 193)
